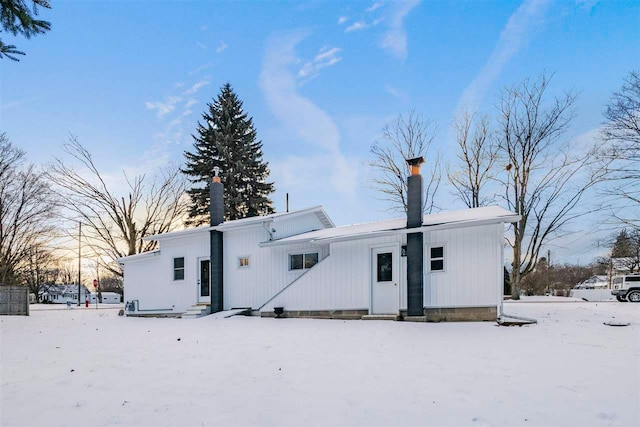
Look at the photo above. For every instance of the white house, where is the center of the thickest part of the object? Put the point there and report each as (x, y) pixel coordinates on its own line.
(107, 298)
(61, 294)
(447, 266)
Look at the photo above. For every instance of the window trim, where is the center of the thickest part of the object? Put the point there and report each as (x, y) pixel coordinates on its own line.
(304, 257)
(174, 269)
(443, 258)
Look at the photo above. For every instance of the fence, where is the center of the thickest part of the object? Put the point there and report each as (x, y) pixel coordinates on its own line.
(14, 300)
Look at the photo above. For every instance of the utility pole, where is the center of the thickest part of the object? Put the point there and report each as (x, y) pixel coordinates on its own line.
(79, 258)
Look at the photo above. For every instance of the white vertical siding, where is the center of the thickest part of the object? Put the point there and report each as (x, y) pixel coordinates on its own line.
(150, 280)
(268, 270)
(341, 282)
(286, 227)
(473, 267)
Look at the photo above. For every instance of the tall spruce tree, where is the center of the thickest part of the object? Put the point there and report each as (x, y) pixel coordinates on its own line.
(226, 138)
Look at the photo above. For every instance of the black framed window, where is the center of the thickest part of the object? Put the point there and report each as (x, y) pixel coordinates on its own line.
(436, 258)
(303, 261)
(178, 268)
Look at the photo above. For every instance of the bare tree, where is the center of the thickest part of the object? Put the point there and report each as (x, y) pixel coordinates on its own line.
(40, 269)
(477, 157)
(622, 153)
(405, 138)
(114, 224)
(544, 182)
(27, 206)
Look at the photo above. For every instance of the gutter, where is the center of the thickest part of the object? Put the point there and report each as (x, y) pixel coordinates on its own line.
(382, 233)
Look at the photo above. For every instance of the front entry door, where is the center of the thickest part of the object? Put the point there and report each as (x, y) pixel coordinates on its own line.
(385, 281)
(204, 280)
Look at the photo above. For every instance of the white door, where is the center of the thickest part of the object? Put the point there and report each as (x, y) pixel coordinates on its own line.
(385, 278)
(204, 280)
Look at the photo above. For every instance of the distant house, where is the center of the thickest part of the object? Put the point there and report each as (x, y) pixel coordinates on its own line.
(446, 266)
(594, 282)
(107, 298)
(60, 294)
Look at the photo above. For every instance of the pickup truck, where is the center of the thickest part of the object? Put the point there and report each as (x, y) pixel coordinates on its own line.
(626, 288)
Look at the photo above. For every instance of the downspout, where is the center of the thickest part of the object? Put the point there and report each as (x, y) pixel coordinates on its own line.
(269, 230)
(502, 316)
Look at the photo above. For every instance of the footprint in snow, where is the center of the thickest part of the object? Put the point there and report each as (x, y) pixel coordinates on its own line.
(481, 422)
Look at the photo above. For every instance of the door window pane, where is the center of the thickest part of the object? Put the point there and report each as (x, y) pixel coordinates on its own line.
(204, 278)
(385, 267)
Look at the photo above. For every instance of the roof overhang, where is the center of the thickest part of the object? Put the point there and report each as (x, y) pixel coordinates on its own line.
(381, 233)
(138, 257)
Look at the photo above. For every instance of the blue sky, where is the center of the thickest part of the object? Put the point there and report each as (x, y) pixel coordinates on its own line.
(131, 78)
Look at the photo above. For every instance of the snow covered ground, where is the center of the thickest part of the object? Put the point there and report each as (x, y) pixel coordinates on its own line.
(88, 367)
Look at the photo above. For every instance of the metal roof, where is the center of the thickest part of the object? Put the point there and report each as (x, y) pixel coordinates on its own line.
(246, 222)
(467, 217)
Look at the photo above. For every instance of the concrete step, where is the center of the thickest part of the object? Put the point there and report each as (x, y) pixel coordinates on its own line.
(380, 317)
(196, 311)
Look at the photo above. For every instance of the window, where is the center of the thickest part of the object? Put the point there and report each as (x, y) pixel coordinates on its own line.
(436, 258)
(303, 261)
(385, 267)
(178, 268)
(243, 261)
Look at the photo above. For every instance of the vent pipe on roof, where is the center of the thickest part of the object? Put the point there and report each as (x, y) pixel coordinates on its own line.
(216, 210)
(415, 253)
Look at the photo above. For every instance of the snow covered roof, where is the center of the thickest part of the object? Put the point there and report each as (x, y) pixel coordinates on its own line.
(247, 222)
(136, 257)
(475, 216)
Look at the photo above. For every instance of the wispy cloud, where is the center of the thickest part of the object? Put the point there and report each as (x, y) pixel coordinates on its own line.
(201, 45)
(196, 87)
(356, 26)
(587, 5)
(524, 22)
(375, 6)
(163, 108)
(342, 20)
(301, 117)
(394, 39)
(326, 57)
(397, 93)
(200, 69)
(222, 46)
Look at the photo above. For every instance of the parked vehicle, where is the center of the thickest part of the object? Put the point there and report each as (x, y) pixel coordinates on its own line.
(626, 288)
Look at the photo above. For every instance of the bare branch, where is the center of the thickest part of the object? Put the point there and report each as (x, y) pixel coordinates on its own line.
(405, 138)
(115, 224)
(545, 182)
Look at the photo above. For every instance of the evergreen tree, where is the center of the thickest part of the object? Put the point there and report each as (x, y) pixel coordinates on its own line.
(623, 246)
(226, 138)
(17, 18)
